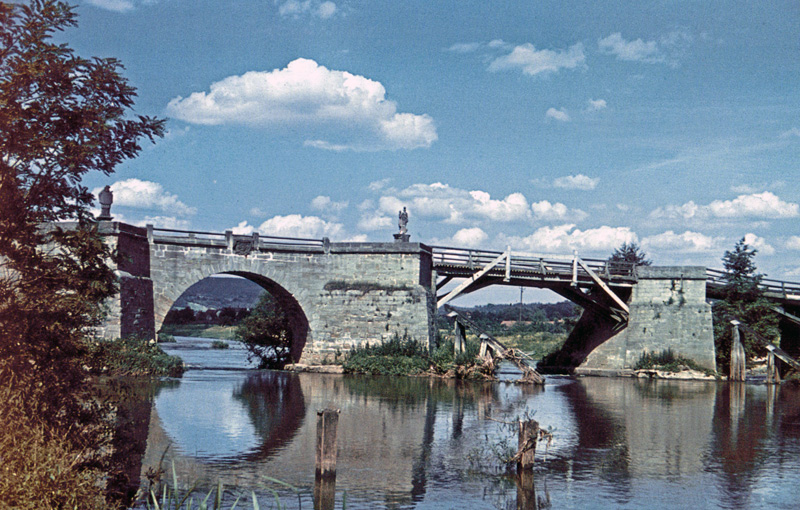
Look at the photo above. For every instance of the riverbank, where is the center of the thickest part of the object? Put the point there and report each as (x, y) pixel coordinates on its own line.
(200, 331)
(63, 437)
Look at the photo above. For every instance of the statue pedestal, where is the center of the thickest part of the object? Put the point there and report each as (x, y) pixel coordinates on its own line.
(402, 238)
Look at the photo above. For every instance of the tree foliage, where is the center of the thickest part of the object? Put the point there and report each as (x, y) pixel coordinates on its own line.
(630, 253)
(742, 300)
(266, 333)
(61, 117)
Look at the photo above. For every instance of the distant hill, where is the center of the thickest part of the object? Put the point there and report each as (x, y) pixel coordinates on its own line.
(220, 292)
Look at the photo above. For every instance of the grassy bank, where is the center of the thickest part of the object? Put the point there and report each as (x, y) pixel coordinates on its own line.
(131, 356)
(406, 356)
(537, 345)
(200, 331)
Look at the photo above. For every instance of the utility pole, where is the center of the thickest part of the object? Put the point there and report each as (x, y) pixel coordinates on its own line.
(520, 304)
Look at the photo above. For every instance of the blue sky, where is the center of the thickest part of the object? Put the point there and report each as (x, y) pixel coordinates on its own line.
(546, 126)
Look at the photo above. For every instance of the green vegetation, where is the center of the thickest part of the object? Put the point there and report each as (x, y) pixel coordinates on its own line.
(742, 300)
(161, 496)
(668, 361)
(266, 334)
(219, 344)
(365, 287)
(61, 117)
(165, 338)
(629, 253)
(536, 328)
(199, 331)
(407, 356)
(130, 356)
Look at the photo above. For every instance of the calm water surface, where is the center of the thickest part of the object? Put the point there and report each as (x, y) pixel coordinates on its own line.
(417, 443)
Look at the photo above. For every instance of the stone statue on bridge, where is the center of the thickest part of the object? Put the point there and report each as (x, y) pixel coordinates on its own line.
(106, 198)
(403, 221)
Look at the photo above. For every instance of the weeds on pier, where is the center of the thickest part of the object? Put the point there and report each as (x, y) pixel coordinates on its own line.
(403, 355)
(668, 361)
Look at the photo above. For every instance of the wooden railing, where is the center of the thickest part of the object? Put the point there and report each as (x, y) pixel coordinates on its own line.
(521, 263)
(718, 278)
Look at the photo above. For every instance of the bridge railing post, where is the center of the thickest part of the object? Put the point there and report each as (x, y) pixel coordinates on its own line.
(149, 228)
(229, 239)
(326, 245)
(255, 241)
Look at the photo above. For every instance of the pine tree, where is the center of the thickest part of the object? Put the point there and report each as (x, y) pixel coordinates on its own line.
(743, 301)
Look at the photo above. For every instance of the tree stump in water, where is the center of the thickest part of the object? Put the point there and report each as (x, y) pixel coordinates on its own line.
(528, 435)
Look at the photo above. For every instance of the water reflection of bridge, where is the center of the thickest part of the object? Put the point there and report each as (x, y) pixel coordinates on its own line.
(402, 438)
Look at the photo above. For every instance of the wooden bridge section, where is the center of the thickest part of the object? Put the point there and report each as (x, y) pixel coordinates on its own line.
(570, 277)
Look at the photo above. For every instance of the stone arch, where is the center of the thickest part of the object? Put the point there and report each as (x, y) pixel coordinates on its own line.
(167, 292)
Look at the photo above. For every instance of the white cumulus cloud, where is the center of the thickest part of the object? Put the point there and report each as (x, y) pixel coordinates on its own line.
(350, 112)
(546, 211)
(637, 50)
(295, 225)
(563, 239)
(793, 243)
(759, 243)
(560, 115)
(324, 203)
(147, 195)
(113, 5)
(597, 105)
(755, 205)
(295, 8)
(531, 61)
(374, 220)
(580, 182)
(469, 237)
(687, 242)
(442, 202)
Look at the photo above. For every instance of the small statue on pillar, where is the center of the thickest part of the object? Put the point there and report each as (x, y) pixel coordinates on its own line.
(403, 236)
(106, 198)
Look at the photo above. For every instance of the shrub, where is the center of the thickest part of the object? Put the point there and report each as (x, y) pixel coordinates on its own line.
(668, 361)
(131, 356)
(41, 466)
(219, 344)
(166, 338)
(407, 356)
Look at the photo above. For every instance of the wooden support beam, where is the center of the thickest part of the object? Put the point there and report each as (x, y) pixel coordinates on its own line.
(444, 281)
(779, 353)
(780, 311)
(507, 278)
(603, 286)
(469, 281)
(773, 376)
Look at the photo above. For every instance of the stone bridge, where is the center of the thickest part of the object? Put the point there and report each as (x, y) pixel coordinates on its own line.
(342, 295)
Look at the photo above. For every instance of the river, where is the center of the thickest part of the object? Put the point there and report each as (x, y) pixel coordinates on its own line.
(428, 444)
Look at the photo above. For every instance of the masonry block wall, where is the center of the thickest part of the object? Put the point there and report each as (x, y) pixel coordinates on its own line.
(130, 312)
(343, 296)
(668, 310)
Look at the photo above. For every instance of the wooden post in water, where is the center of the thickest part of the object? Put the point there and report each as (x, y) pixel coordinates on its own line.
(526, 491)
(737, 355)
(773, 376)
(327, 421)
(325, 473)
(459, 344)
(526, 450)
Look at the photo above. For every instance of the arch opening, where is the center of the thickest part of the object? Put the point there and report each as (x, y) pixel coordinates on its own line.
(218, 303)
